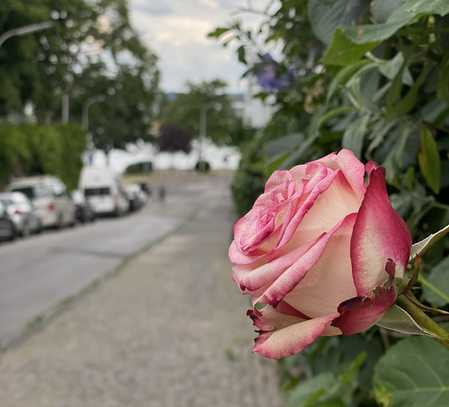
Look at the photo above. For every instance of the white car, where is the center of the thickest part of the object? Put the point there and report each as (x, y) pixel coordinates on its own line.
(104, 191)
(49, 197)
(136, 196)
(21, 212)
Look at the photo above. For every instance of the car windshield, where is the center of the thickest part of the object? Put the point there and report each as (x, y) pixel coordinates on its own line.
(89, 192)
(29, 192)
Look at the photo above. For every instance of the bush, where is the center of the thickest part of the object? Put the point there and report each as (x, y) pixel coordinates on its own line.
(35, 150)
(249, 180)
(143, 167)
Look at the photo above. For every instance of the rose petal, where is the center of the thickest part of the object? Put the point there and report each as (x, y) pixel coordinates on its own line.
(379, 235)
(358, 314)
(269, 319)
(353, 170)
(290, 278)
(278, 178)
(252, 279)
(338, 201)
(319, 187)
(330, 281)
(237, 257)
(293, 338)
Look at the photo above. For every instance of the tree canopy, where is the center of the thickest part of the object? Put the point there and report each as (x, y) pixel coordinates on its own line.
(90, 50)
(224, 123)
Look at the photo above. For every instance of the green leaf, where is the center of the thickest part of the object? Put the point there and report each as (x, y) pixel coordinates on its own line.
(399, 320)
(241, 53)
(218, 32)
(318, 120)
(342, 51)
(392, 67)
(436, 285)
(351, 43)
(310, 390)
(354, 135)
(413, 373)
(429, 160)
(443, 81)
(326, 16)
(418, 249)
(344, 75)
(408, 102)
(381, 10)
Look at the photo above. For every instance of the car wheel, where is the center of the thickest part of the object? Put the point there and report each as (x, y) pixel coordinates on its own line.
(60, 222)
(13, 232)
(39, 228)
(26, 231)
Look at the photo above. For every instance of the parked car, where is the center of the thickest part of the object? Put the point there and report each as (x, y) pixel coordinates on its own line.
(7, 230)
(84, 212)
(50, 198)
(21, 212)
(136, 197)
(104, 191)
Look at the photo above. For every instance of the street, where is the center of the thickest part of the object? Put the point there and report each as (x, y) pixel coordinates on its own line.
(168, 330)
(38, 273)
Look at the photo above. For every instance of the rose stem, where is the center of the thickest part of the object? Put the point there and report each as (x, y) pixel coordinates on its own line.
(424, 321)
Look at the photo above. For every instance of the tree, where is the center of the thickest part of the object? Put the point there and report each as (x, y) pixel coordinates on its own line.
(173, 138)
(91, 50)
(224, 124)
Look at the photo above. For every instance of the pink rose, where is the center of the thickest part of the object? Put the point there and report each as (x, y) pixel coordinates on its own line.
(318, 253)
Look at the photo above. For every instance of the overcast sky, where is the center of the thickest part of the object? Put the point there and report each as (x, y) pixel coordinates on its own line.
(176, 30)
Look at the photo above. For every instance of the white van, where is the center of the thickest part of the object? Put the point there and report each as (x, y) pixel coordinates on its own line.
(104, 191)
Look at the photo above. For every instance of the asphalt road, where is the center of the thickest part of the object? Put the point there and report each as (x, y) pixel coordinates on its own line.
(40, 272)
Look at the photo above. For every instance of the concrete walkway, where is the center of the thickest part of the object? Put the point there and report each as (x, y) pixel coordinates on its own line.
(168, 330)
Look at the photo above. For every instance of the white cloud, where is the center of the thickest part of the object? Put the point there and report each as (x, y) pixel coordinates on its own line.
(176, 30)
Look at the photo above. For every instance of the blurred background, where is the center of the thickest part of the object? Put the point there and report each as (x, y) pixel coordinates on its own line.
(134, 132)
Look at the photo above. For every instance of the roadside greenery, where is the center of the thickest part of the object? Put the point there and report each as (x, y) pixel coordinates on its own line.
(35, 150)
(223, 124)
(371, 76)
(90, 60)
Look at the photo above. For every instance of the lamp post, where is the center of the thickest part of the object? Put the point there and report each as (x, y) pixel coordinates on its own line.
(203, 130)
(27, 29)
(203, 125)
(85, 115)
(85, 124)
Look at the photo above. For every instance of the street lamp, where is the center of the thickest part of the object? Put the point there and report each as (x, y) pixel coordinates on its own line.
(27, 29)
(85, 125)
(85, 116)
(203, 124)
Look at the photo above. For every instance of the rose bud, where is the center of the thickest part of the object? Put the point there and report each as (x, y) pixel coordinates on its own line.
(318, 253)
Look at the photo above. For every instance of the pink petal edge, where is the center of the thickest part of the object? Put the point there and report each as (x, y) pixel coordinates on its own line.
(380, 236)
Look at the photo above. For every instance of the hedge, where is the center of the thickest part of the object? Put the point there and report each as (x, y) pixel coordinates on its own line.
(35, 150)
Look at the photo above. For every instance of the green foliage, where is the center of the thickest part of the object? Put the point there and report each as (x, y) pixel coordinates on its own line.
(429, 160)
(372, 76)
(249, 180)
(328, 389)
(91, 51)
(362, 38)
(413, 373)
(34, 150)
(210, 100)
(436, 285)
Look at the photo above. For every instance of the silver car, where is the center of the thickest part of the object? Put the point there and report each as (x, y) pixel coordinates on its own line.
(21, 212)
(49, 197)
(7, 230)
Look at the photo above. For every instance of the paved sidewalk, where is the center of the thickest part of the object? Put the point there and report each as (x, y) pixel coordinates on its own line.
(167, 331)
